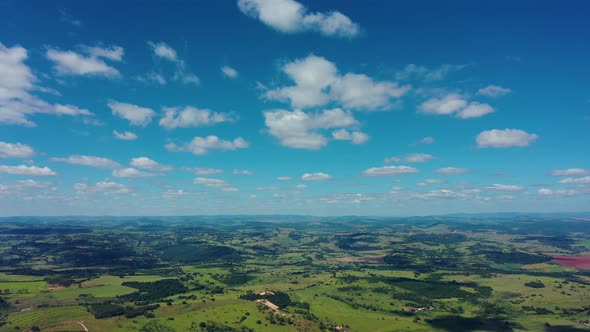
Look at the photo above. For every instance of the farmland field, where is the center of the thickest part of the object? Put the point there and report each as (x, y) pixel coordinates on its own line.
(302, 274)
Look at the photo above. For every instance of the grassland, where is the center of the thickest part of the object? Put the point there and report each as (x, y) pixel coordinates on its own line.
(331, 275)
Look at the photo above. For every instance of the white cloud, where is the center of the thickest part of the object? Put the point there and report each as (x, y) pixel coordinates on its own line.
(570, 172)
(72, 63)
(356, 137)
(448, 104)
(27, 170)
(389, 171)
(451, 170)
(230, 72)
(267, 188)
(202, 145)
(242, 172)
(290, 16)
(149, 164)
(430, 181)
(504, 187)
(557, 193)
(297, 129)
(70, 110)
(173, 194)
(15, 150)
(418, 158)
(110, 187)
(455, 104)
(131, 173)
(92, 161)
(413, 71)
(493, 91)
(153, 78)
(475, 110)
(506, 138)
(582, 180)
(317, 82)
(114, 53)
(176, 117)
(358, 91)
(411, 158)
(16, 83)
(427, 140)
(215, 183)
(316, 177)
(205, 170)
(137, 116)
(125, 136)
(164, 51)
(284, 178)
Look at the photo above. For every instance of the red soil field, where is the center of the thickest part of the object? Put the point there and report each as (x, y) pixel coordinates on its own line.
(573, 261)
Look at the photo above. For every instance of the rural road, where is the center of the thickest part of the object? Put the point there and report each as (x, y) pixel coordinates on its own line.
(84, 326)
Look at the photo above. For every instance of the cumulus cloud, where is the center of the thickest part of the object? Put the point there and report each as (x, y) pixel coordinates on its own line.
(298, 129)
(229, 72)
(124, 136)
(413, 71)
(503, 187)
(389, 171)
(93, 64)
(98, 162)
(582, 180)
(27, 170)
(427, 140)
(430, 181)
(204, 170)
(189, 116)
(455, 104)
(163, 51)
(493, 91)
(136, 115)
(356, 137)
(506, 138)
(410, 158)
(15, 150)
(570, 172)
(451, 170)
(557, 193)
(474, 110)
(317, 82)
(290, 16)
(131, 173)
(215, 183)
(284, 178)
(16, 83)
(202, 145)
(242, 172)
(149, 164)
(316, 177)
(110, 187)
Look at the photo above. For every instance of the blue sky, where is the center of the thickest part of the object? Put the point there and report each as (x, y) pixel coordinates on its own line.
(293, 107)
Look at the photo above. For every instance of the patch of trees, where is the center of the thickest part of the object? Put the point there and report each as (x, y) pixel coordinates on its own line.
(106, 310)
(281, 299)
(155, 326)
(465, 324)
(234, 278)
(513, 257)
(186, 253)
(153, 291)
(60, 280)
(211, 326)
(535, 284)
(436, 239)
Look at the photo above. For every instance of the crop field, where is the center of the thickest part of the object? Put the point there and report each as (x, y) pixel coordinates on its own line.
(308, 275)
